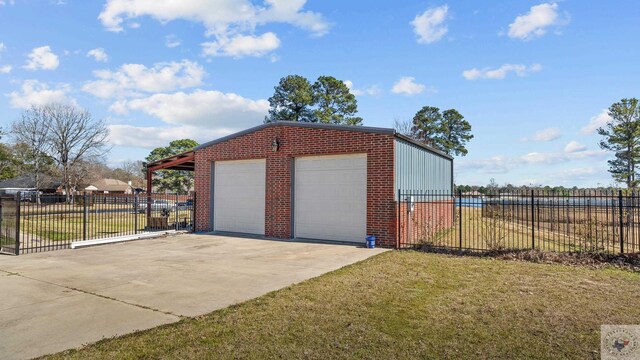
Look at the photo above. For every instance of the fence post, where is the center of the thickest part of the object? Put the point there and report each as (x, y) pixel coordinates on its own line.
(193, 214)
(136, 205)
(398, 222)
(533, 224)
(621, 222)
(460, 216)
(18, 198)
(84, 215)
(177, 214)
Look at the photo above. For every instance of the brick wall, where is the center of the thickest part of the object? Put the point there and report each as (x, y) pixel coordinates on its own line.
(301, 141)
(425, 222)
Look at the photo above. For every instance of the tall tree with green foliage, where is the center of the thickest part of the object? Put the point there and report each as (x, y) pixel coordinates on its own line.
(447, 131)
(176, 181)
(291, 100)
(335, 103)
(328, 100)
(621, 135)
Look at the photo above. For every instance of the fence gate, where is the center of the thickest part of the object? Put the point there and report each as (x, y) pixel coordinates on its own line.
(52, 221)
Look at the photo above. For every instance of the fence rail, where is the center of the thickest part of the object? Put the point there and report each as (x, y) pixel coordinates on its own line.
(573, 222)
(54, 221)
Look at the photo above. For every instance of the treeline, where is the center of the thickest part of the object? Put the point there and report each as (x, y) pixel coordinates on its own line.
(494, 188)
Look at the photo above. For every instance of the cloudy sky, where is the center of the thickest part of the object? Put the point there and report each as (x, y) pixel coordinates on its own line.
(533, 78)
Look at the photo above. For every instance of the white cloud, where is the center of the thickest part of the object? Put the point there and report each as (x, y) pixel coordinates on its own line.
(231, 22)
(98, 54)
(42, 58)
(135, 79)
(242, 45)
(596, 122)
(548, 134)
(172, 41)
(560, 157)
(407, 86)
(7, 2)
(501, 72)
(207, 109)
(152, 137)
(371, 90)
(504, 164)
(5, 69)
(574, 146)
(33, 92)
(430, 26)
(2, 47)
(535, 23)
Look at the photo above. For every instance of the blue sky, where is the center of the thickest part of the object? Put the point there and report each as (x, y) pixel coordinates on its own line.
(533, 78)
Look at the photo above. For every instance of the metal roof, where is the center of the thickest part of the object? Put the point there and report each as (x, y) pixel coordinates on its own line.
(186, 161)
(366, 129)
(182, 161)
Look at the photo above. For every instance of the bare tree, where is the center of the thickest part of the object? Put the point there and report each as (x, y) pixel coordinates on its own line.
(32, 130)
(73, 135)
(404, 127)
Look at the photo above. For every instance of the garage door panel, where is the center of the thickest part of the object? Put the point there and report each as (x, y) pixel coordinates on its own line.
(239, 196)
(330, 197)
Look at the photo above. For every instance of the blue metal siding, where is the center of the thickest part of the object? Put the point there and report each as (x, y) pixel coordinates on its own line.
(417, 169)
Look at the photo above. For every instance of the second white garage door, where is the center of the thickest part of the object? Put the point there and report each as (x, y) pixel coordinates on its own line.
(239, 196)
(330, 197)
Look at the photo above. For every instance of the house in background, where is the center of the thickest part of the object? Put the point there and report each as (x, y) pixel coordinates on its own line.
(109, 186)
(26, 183)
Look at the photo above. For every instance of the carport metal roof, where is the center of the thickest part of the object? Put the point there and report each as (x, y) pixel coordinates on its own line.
(184, 161)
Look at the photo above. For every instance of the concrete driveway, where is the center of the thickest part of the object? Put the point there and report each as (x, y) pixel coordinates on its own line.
(63, 299)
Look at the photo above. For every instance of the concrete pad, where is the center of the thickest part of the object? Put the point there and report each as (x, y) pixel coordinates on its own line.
(38, 318)
(186, 275)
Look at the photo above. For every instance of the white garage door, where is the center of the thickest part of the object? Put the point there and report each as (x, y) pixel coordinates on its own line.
(331, 197)
(239, 195)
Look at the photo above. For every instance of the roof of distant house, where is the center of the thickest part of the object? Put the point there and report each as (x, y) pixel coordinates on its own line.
(111, 185)
(28, 181)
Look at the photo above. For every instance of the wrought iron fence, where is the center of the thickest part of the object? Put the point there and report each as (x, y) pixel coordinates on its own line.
(51, 222)
(580, 221)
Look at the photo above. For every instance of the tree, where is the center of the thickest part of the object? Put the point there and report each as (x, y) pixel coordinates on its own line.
(403, 127)
(177, 181)
(291, 100)
(72, 136)
(295, 99)
(447, 131)
(335, 104)
(32, 130)
(621, 135)
(130, 171)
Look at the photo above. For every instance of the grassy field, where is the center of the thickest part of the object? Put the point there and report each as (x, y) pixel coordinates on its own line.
(514, 231)
(405, 305)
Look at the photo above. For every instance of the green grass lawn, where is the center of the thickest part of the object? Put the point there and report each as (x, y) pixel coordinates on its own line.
(405, 304)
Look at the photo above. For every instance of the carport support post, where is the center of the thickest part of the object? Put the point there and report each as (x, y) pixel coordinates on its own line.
(149, 189)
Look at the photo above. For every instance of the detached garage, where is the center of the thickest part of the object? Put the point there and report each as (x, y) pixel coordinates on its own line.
(310, 181)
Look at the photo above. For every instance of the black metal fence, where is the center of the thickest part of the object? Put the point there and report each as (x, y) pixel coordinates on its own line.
(580, 221)
(51, 222)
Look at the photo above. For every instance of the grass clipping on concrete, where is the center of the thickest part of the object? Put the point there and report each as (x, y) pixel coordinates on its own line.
(406, 304)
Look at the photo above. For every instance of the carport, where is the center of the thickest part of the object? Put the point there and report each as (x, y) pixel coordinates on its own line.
(184, 161)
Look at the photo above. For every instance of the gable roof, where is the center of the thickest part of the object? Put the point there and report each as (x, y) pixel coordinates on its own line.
(111, 185)
(365, 129)
(28, 181)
